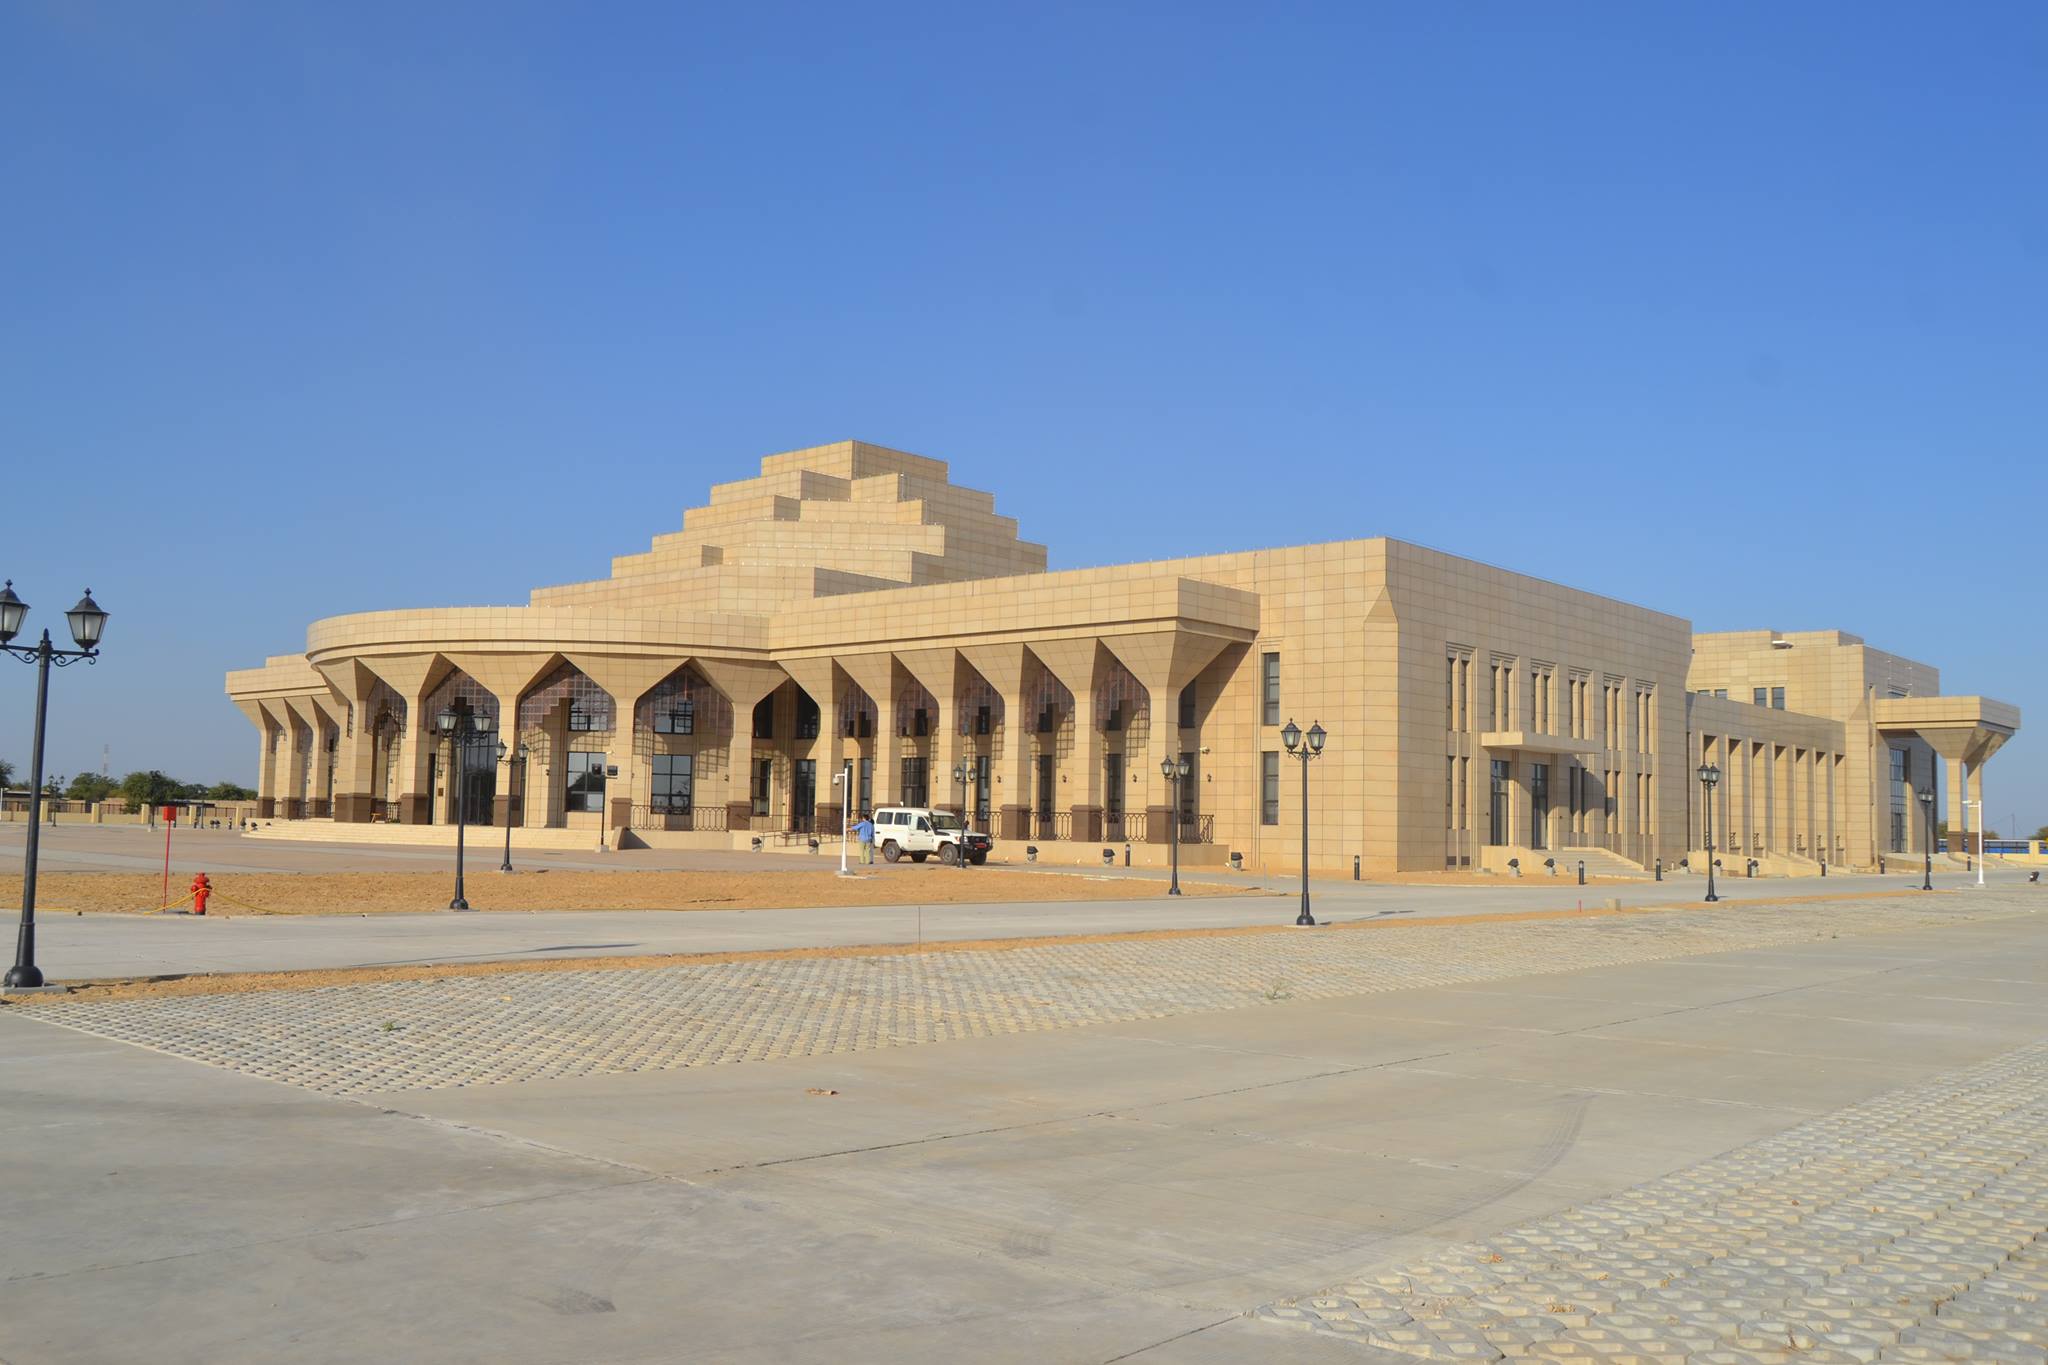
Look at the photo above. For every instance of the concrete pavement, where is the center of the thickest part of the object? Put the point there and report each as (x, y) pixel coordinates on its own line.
(1127, 1191)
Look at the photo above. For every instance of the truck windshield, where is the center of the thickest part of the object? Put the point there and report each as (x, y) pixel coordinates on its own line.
(944, 823)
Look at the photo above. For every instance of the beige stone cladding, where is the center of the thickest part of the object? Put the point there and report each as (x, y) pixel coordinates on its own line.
(1897, 731)
(849, 628)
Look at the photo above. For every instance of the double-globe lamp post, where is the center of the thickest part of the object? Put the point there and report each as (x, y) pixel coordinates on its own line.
(1307, 752)
(1927, 868)
(87, 622)
(1709, 775)
(462, 729)
(1175, 771)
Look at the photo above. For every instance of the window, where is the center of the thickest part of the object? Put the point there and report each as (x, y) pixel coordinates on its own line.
(1115, 720)
(1777, 699)
(1497, 804)
(1269, 710)
(915, 791)
(920, 722)
(867, 784)
(1759, 696)
(586, 781)
(764, 720)
(681, 719)
(1048, 718)
(1113, 785)
(1187, 707)
(764, 784)
(803, 792)
(1721, 692)
(581, 720)
(807, 718)
(672, 784)
(1269, 786)
(1539, 804)
(981, 720)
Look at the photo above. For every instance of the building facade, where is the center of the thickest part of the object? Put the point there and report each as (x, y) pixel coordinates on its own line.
(852, 619)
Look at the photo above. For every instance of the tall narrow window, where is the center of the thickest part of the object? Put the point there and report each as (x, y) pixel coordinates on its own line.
(807, 717)
(1269, 787)
(1188, 699)
(764, 719)
(1270, 690)
(1113, 786)
(586, 782)
(1759, 696)
(1777, 699)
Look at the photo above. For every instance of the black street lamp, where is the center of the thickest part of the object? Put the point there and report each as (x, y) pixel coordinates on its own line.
(1291, 736)
(1927, 871)
(462, 729)
(962, 773)
(1175, 771)
(1710, 774)
(520, 754)
(87, 623)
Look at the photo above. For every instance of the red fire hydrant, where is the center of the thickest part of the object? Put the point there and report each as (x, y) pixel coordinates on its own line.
(201, 889)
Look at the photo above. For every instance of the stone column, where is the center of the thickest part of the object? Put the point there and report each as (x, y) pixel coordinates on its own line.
(1957, 779)
(1005, 667)
(743, 683)
(876, 674)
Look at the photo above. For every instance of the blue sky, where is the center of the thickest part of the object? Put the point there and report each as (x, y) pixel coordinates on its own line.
(1733, 310)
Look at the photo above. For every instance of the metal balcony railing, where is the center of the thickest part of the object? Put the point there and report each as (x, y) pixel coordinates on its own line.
(680, 817)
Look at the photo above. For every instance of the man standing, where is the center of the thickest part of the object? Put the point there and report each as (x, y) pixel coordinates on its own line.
(865, 833)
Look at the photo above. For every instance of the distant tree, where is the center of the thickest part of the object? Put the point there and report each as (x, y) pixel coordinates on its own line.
(6, 773)
(91, 787)
(229, 791)
(149, 789)
(2042, 833)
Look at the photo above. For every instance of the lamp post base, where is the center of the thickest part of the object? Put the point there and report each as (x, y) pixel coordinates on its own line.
(1305, 920)
(458, 904)
(24, 977)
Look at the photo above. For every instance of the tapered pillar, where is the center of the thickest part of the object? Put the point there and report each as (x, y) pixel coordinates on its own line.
(743, 684)
(1006, 667)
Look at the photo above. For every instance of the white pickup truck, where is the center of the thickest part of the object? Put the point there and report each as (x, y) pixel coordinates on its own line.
(919, 832)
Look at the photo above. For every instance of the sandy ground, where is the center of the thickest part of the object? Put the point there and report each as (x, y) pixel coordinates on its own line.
(361, 893)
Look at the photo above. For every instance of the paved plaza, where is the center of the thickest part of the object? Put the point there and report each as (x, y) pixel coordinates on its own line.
(1769, 1132)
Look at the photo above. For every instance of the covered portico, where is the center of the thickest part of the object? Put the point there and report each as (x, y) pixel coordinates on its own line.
(1965, 732)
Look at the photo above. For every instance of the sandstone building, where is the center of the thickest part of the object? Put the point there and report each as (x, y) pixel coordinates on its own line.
(853, 613)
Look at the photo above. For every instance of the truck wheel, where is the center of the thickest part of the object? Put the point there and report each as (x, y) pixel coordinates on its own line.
(949, 854)
(890, 853)
(919, 857)
(978, 859)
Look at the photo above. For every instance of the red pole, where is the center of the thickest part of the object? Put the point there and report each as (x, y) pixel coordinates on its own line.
(166, 899)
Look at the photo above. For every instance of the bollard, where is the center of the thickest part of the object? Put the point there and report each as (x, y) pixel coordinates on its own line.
(1660, 869)
(1127, 853)
(1582, 872)
(1823, 867)
(1354, 867)
(814, 845)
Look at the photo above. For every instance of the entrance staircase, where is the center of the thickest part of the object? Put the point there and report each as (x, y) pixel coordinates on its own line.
(1599, 862)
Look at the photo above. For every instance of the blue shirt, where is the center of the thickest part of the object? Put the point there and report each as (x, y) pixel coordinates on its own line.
(864, 832)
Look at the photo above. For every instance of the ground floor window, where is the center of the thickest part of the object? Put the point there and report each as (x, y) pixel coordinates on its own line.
(1539, 804)
(1497, 805)
(981, 790)
(916, 786)
(674, 783)
(867, 785)
(586, 782)
(1113, 786)
(1269, 787)
(803, 793)
(764, 782)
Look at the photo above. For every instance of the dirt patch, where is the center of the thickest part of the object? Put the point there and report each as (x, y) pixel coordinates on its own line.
(241, 983)
(371, 893)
